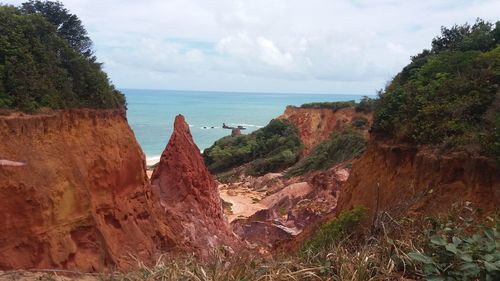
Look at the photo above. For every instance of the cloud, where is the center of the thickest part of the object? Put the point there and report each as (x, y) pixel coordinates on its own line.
(344, 46)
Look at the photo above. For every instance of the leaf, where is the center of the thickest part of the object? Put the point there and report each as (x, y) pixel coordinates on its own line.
(489, 257)
(466, 257)
(451, 248)
(457, 241)
(438, 240)
(435, 278)
(490, 234)
(420, 257)
(470, 268)
(490, 267)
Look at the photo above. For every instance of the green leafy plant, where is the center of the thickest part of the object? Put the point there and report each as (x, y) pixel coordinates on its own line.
(334, 231)
(450, 254)
(447, 96)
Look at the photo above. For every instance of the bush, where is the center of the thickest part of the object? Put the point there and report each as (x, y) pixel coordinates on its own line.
(446, 96)
(452, 255)
(366, 105)
(336, 230)
(269, 149)
(359, 122)
(39, 68)
(329, 105)
(339, 148)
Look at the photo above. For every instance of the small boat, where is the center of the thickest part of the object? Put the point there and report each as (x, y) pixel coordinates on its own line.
(241, 128)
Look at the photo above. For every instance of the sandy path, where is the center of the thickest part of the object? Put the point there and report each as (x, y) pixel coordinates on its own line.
(243, 202)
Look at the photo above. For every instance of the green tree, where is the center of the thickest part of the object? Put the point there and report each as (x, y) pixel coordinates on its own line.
(447, 96)
(68, 25)
(38, 68)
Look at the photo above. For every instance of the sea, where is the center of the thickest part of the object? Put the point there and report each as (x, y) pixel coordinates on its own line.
(151, 113)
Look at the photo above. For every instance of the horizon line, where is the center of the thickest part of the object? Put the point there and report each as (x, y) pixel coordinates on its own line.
(243, 92)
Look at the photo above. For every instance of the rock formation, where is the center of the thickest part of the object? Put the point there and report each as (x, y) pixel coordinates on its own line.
(189, 194)
(80, 199)
(398, 179)
(235, 132)
(317, 124)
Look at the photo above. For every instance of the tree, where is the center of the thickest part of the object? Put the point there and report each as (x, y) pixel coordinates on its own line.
(68, 25)
(40, 69)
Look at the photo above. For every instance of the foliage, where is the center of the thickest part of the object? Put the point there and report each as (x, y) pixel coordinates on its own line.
(334, 231)
(365, 105)
(38, 68)
(359, 122)
(68, 26)
(447, 96)
(336, 105)
(272, 148)
(451, 254)
(339, 148)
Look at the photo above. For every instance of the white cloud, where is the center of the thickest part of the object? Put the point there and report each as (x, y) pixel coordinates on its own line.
(266, 45)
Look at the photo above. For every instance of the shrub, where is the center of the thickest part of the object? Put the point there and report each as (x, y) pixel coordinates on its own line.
(450, 254)
(334, 231)
(39, 68)
(339, 148)
(359, 122)
(366, 105)
(272, 148)
(446, 96)
(330, 105)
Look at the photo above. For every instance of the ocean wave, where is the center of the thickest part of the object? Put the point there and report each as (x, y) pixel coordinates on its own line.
(152, 160)
(209, 127)
(244, 125)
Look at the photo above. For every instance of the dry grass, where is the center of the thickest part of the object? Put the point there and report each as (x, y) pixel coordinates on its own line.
(379, 253)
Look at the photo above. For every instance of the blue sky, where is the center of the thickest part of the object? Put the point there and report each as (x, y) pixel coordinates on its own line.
(309, 46)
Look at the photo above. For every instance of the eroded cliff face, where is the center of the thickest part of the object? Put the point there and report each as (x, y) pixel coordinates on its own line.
(401, 179)
(81, 198)
(189, 195)
(316, 125)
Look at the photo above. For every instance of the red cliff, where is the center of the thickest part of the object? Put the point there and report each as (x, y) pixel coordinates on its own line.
(190, 195)
(401, 179)
(317, 124)
(80, 198)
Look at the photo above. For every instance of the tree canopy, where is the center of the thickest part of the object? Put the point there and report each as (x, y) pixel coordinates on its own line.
(68, 26)
(449, 95)
(272, 148)
(44, 64)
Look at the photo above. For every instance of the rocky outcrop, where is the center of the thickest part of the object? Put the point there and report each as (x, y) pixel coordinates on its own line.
(235, 132)
(317, 124)
(80, 198)
(401, 179)
(284, 207)
(189, 194)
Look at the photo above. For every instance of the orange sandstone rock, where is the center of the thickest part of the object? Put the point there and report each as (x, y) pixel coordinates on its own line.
(189, 194)
(316, 125)
(401, 179)
(81, 199)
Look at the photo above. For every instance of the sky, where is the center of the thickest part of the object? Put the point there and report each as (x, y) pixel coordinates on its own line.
(308, 46)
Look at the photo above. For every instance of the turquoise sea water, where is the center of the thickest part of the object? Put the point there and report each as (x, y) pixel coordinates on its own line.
(151, 113)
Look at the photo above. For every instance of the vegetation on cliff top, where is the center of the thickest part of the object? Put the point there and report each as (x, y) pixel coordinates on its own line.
(340, 147)
(272, 148)
(46, 61)
(365, 105)
(449, 95)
